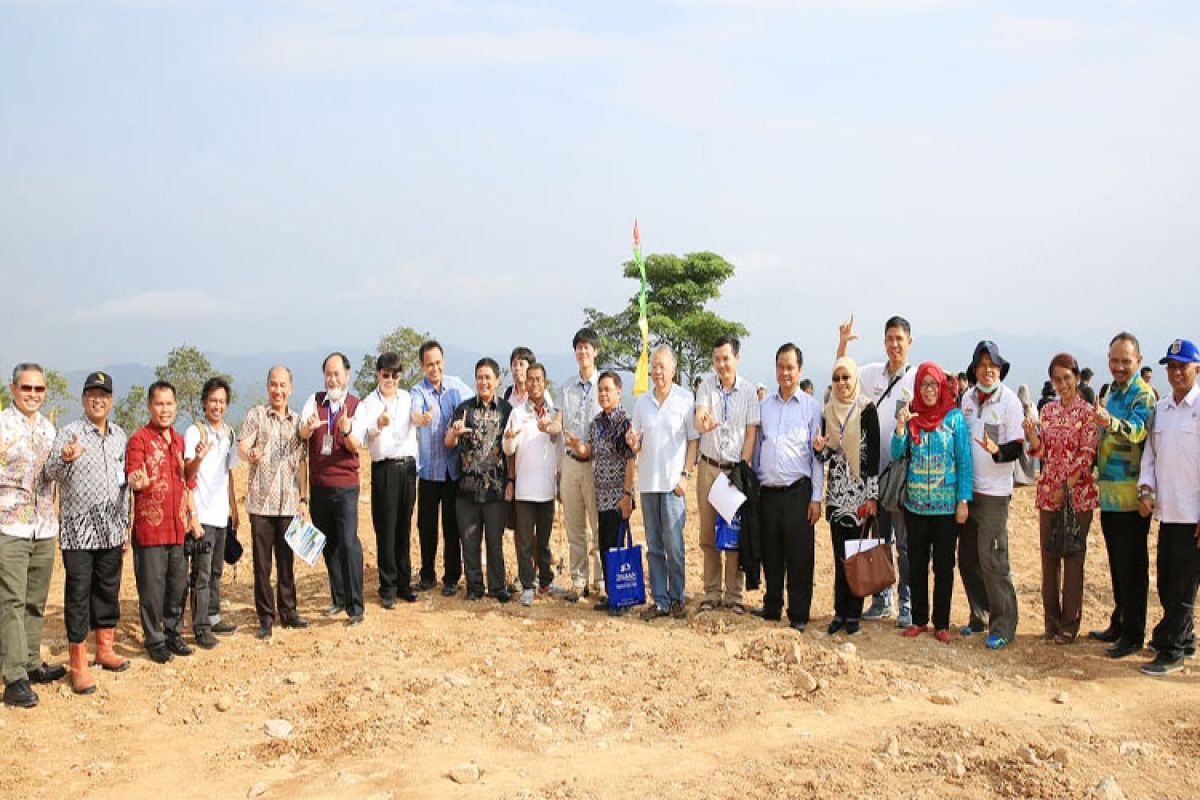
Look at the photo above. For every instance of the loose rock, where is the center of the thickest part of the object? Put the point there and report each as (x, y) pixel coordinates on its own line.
(1108, 789)
(806, 681)
(732, 648)
(943, 698)
(953, 763)
(1062, 698)
(257, 790)
(277, 728)
(891, 747)
(467, 772)
(224, 703)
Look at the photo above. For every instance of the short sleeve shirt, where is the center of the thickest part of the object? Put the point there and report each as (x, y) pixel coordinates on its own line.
(734, 410)
(875, 381)
(610, 457)
(666, 429)
(211, 495)
(26, 497)
(1000, 416)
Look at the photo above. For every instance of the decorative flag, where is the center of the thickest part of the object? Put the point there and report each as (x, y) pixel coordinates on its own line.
(641, 376)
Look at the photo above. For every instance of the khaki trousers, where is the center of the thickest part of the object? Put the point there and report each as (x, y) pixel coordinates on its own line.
(578, 491)
(714, 570)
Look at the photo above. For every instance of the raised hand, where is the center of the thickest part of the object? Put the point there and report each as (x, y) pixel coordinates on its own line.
(846, 333)
(384, 420)
(311, 424)
(634, 439)
(705, 421)
(256, 454)
(138, 480)
(345, 424)
(819, 443)
(987, 444)
(72, 451)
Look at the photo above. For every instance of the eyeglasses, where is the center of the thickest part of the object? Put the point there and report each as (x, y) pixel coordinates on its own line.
(841, 378)
(25, 387)
(930, 385)
(388, 375)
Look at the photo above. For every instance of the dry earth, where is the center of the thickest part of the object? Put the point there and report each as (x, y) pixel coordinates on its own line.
(558, 701)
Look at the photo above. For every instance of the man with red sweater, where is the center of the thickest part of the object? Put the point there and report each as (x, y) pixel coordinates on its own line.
(154, 467)
(326, 422)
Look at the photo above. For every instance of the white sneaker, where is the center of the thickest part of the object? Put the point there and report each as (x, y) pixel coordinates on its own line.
(527, 597)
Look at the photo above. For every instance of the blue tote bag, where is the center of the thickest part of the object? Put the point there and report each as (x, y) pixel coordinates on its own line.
(729, 534)
(624, 579)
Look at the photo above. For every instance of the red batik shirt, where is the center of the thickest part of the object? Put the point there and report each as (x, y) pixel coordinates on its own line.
(158, 509)
(1069, 439)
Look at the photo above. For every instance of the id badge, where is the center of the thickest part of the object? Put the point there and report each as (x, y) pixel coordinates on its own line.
(327, 445)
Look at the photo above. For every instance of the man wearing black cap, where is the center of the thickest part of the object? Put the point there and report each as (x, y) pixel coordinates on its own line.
(1168, 487)
(88, 461)
(994, 415)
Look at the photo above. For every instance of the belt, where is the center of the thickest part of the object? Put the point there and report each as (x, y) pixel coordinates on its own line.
(793, 485)
(401, 461)
(728, 465)
(572, 454)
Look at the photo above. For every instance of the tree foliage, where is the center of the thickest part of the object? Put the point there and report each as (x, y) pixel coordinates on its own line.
(187, 369)
(677, 290)
(5, 397)
(406, 342)
(58, 396)
(131, 412)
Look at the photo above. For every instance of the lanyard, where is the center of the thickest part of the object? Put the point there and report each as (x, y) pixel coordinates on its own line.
(725, 403)
(586, 390)
(333, 415)
(849, 414)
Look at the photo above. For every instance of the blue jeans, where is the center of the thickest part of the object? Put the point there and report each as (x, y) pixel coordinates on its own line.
(891, 527)
(663, 515)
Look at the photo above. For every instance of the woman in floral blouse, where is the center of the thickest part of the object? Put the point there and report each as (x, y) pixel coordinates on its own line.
(850, 445)
(1067, 448)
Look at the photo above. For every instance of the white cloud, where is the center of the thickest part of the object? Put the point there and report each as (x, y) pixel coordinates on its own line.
(177, 305)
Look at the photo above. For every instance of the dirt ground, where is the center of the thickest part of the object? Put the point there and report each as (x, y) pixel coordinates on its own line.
(558, 701)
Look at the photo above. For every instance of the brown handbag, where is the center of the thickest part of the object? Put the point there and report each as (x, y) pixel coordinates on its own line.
(870, 571)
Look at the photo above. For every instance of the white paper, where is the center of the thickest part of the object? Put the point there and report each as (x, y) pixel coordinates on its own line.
(725, 497)
(855, 546)
(305, 540)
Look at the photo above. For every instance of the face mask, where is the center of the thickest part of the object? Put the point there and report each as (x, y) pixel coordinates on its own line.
(979, 387)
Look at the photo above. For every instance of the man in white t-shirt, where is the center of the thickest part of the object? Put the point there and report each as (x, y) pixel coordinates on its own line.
(994, 415)
(209, 454)
(889, 385)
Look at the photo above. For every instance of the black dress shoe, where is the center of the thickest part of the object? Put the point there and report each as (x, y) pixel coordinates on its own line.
(388, 603)
(20, 694)
(264, 631)
(206, 639)
(179, 647)
(47, 674)
(835, 625)
(1109, 635)
(798, 626)
(224, 628)
(333, 609)
(356, 619)
(295, 622)
(159, 654)
(1122, 649)
(409, 597)
(503, 596)
(449, 590)
(425, 586)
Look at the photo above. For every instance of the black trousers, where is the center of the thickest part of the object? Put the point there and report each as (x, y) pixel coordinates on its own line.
(161, 575)
(335, 513)
(788, 550)
(931, 534)
(534, 521)
(482, 526)
(845, 604)
(607, 536)
(266, 540)
(1126, 535)
(1178, 564)
(393, 495)
(91, 591)
(432, 495)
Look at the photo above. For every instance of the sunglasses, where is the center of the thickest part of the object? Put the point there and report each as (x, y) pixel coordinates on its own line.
(25, 387)
(387, 375)
(841, 378)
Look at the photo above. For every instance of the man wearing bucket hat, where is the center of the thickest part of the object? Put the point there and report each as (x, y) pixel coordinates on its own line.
(1169, 488)
(88, 461)
(994, 416)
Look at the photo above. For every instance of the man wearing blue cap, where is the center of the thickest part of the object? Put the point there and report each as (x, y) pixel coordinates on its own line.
(1169, 487)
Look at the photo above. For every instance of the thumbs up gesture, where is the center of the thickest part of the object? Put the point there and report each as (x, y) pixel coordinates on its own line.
(72, 451)
(384, 420)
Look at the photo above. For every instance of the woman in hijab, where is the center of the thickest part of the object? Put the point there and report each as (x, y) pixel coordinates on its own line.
(940, 476)
(850, 445)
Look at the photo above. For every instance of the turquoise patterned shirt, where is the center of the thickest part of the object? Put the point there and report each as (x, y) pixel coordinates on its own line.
(940, 469)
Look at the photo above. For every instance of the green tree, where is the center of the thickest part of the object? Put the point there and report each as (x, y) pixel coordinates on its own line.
(130, 412)
(405, 341)
(187, 369)
(677, 289)
(58, 397)
(5, 397)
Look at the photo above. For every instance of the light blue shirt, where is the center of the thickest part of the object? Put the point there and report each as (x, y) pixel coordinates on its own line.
(438, 462)
(785, 453)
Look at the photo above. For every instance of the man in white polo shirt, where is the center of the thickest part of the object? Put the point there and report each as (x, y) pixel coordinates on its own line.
(209, 454)
(727, 418)
(994, 416)
(889, 385)
(531, 444)
(665, 438)
(1169, 487)
(383, 421)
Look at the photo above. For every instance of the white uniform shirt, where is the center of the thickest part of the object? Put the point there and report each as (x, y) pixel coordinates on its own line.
(1001, 416)
(211, 494)
(734, 410)
(666, 430)
(399, 438)
(873, 381)
(1171, 462)
(536, 453)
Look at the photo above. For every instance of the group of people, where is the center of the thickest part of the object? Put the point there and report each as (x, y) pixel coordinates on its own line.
(473, 461)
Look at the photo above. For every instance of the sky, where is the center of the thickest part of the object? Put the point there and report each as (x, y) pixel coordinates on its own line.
(275, 176)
